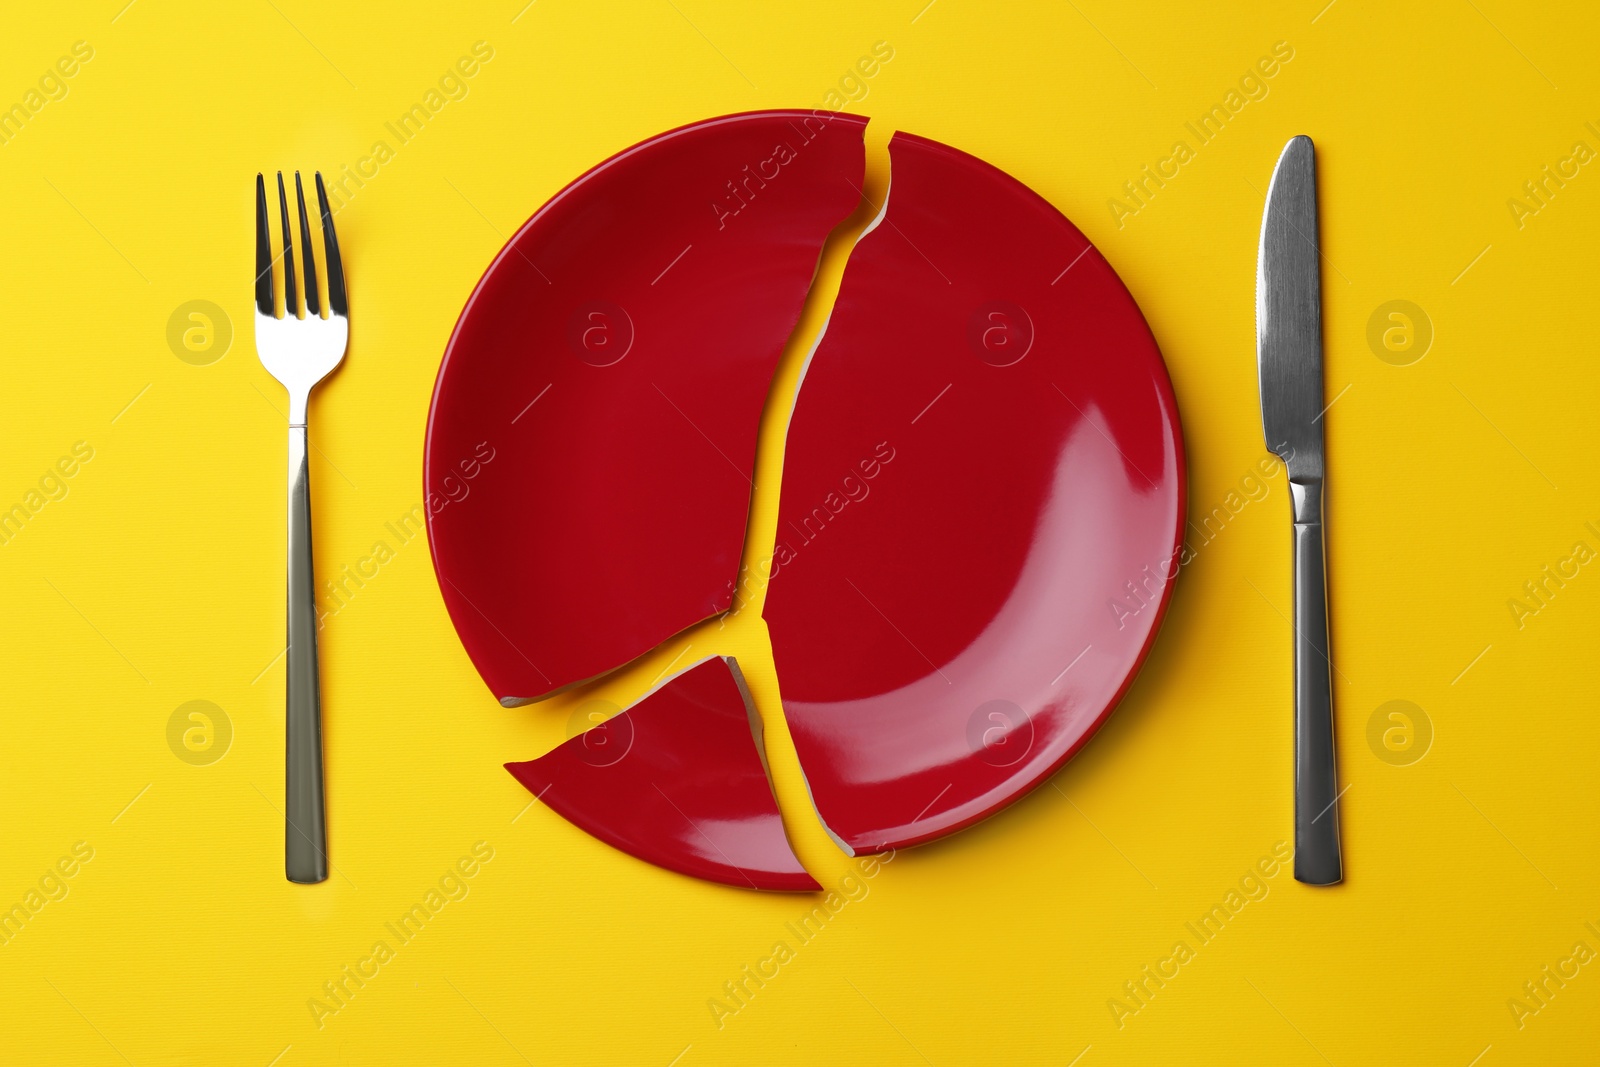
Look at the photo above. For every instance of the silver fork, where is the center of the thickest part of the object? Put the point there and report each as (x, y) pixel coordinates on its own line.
(300, 352)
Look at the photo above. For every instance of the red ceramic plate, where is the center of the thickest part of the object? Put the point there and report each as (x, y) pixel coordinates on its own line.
(980, 515)
(982, 507)
(591, 444)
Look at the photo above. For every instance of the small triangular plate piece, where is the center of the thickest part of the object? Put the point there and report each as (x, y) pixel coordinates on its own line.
(679, 780)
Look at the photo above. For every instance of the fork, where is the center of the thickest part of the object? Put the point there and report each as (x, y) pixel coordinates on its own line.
(300, 353)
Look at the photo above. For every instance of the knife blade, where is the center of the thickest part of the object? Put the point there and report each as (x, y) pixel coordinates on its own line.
(1289, 361)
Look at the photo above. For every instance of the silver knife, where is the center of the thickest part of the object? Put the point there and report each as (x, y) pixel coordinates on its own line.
(1289, 355)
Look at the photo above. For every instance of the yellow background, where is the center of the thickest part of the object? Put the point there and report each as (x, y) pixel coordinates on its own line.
(158, 579)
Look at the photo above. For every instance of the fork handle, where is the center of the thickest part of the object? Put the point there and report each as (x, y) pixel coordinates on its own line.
(1317, 859)
(305, 842)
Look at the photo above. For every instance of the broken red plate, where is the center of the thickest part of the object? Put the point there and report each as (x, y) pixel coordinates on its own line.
(679, 780)
(981, 513)
(593, 432)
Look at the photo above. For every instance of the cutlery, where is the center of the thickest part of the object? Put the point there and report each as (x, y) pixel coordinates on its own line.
(1289, 355)
(300, 353)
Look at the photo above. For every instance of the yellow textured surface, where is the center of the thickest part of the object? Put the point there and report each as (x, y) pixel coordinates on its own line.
(152, 576)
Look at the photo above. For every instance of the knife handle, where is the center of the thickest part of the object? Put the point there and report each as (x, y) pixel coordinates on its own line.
(1317, 859)
(305, 836)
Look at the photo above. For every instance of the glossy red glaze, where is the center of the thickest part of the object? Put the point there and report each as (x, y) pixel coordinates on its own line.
(593, 429)
(982, 505)
(680, 780)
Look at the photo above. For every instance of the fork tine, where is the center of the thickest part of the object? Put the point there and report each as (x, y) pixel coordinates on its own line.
(291, 298)
(313, 296)
(336, 296)
(264, 295)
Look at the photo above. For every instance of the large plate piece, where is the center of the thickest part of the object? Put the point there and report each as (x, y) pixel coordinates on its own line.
(982, 508)
(592, 439)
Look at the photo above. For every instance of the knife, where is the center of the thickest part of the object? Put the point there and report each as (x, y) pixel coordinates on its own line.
(1289, 357)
